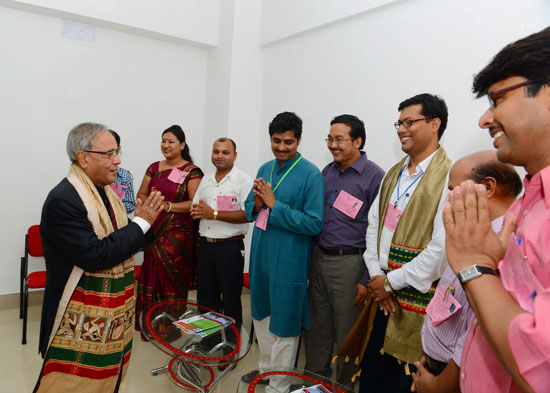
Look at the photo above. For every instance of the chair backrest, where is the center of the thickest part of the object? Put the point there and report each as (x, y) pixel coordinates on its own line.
(34, 241)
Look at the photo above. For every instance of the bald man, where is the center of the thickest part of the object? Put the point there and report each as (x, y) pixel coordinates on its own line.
(449, 314)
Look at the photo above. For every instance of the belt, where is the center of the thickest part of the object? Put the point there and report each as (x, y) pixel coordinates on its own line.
(229, 239)
(342, 251)
(435, 366)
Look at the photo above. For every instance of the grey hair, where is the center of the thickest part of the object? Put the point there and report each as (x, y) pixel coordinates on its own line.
(82, 137)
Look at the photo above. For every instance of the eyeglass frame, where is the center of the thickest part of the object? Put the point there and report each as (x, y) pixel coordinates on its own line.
(330, 141)
(110, 153)
(498, 94)
(400, 123)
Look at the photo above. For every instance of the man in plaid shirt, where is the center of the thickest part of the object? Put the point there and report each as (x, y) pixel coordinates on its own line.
(124, 184)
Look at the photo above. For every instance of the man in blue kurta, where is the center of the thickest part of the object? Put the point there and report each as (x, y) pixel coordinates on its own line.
(286, 203)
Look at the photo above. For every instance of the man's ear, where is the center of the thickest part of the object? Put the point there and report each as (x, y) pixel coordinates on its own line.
(436, 123)
(490, 184)
(82, 159)
(357, 142)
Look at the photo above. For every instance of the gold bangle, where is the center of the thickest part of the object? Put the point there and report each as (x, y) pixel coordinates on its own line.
(169, 204)
(215, 215)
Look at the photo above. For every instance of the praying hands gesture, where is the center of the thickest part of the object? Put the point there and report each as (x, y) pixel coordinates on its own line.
(263, 194)
(469, 235)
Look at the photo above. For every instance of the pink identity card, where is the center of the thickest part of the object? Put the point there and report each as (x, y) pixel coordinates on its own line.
(348, 204)
(177, 176)
(227, 203)
(442, 306)
(261, 220)
(393, 214)
(119, 189)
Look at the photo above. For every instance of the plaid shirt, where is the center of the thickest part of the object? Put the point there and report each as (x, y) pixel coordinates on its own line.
(125, 178)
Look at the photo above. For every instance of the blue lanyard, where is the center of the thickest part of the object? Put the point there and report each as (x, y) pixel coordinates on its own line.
(407, 189)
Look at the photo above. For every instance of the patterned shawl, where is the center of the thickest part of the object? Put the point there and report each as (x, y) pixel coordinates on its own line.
(91, 339)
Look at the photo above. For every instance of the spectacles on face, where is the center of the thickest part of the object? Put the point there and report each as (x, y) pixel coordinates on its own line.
(338, 140)
(496, 95)
(407, 123)
(111, 153)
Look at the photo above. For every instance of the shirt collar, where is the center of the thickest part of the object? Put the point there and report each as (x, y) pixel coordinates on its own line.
(287, 163)
(212, 179)
(423, 165)
(497, 223)
(540, 179)
(359, 165)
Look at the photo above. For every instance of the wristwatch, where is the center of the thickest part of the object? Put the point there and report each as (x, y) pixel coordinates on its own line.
(215, 215)
(472, 272)
(387, 285)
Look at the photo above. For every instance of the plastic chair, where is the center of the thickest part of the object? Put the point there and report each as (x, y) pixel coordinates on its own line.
(33, 247)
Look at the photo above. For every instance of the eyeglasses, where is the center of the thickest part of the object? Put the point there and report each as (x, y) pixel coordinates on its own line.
(496, 95)
(111, 153)
(408, 122)
(339, 141)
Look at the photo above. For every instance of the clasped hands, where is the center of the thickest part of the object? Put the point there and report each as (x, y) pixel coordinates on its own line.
(381, 296)
(151, 208)
(263, 194)
(201, 210)
(470, 238)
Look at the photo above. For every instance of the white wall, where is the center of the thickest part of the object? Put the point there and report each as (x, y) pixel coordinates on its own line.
(286, 18)
(226, 69)
(182, 21)
(368, 64)
(49, 83)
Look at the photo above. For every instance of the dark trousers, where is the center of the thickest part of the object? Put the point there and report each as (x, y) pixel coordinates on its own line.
(220, 279)
(382, 373)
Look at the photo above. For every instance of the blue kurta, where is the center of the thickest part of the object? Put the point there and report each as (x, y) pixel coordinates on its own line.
(279, 256)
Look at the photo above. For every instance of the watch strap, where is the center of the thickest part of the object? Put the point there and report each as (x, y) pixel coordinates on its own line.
(474, 271)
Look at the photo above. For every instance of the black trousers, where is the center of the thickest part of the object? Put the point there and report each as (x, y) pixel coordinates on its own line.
(382, 373)
(220, 278)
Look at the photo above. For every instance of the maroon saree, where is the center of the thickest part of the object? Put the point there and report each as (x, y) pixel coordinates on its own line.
(169, 267)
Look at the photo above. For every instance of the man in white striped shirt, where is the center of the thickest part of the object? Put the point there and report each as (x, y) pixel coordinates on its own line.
(449, 314)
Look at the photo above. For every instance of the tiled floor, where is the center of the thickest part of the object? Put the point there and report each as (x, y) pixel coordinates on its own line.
(20, 364)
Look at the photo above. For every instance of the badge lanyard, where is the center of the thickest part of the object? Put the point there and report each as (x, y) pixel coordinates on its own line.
(282, 178)
(407, 189)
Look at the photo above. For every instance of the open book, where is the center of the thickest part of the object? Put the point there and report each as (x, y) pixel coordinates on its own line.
(204, 324)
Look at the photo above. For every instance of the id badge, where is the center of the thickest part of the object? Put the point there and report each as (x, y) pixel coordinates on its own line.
(393, 214)
(119, 189)
(177, 176)
(348, 204)
(442, 306)
(261, 220)
(227, 203)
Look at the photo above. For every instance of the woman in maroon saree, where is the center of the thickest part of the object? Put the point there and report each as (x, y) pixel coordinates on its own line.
(169, 267)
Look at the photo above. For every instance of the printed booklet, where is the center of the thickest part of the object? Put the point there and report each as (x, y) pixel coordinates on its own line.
(204, 324)
(313, 389)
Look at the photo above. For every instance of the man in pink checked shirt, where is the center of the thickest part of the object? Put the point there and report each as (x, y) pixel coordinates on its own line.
(508, 349)
(449, 313)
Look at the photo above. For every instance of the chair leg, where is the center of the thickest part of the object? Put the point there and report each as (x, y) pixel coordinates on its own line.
(25, 311)
(22, 278)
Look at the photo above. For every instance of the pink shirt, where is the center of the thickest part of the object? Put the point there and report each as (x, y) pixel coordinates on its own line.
(525, 273)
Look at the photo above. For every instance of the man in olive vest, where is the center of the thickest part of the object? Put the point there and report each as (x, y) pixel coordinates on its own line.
(405, 245)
